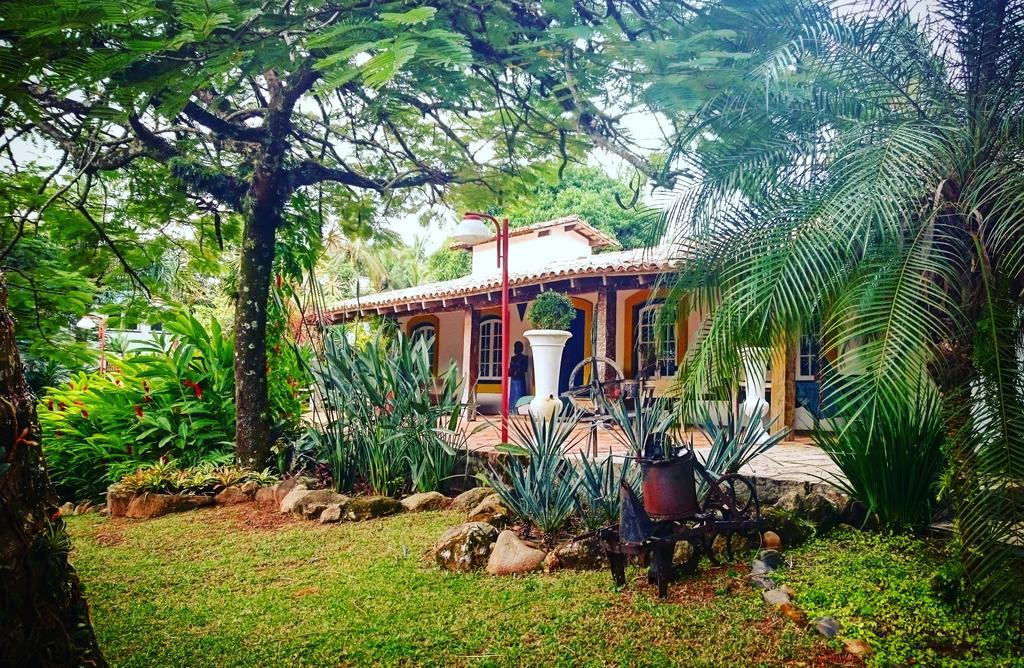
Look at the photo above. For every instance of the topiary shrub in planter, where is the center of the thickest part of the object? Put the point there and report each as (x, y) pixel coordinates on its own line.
(551, 310)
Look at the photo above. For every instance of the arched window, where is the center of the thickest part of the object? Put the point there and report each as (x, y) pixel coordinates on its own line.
(655, 354)
(490, 349)
(427, 331)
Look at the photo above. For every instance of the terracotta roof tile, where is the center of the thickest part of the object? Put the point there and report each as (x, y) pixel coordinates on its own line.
(639, 261)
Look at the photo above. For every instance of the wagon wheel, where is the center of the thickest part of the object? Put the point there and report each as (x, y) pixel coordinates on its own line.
(733, 508)
(606, 377)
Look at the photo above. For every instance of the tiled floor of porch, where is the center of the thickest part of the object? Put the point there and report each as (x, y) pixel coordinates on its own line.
(794, 459)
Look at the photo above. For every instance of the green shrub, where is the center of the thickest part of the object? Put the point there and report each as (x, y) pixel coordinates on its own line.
(551, 310)
(165, 477)
(891, 457)
(171, 399)
(389, 417)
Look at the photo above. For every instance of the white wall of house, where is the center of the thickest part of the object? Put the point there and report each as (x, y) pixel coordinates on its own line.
(529, 252)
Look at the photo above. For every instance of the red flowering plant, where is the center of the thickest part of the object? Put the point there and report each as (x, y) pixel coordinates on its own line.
(171, 397)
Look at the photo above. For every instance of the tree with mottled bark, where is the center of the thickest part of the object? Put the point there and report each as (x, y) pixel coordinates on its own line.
(364, 108)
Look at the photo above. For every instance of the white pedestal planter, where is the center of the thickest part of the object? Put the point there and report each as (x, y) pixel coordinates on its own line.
(754, 406)
(546, 345)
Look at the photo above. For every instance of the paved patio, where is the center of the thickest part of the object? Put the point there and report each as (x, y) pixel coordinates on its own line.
(796, 459)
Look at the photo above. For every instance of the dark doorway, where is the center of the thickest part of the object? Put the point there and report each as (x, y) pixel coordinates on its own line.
(574, 347)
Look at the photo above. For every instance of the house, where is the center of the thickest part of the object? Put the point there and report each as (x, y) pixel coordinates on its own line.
(618, 290)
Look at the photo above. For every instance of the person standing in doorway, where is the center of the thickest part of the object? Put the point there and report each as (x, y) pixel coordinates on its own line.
(518, 367)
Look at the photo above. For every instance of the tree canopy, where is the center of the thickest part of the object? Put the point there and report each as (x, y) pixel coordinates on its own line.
(319, 111)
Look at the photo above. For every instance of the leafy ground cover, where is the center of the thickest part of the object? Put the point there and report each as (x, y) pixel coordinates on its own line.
(242, 586)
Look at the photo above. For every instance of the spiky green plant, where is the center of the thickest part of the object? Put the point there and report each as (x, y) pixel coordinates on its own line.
(644, 430)
(892, 463)
(864, 170)
(388, 415)
(542, 483)
(598, 500)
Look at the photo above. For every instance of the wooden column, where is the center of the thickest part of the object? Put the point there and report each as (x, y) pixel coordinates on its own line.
(783, 406)
(470, 353)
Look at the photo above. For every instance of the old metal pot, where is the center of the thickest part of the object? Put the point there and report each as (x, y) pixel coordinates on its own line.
(670, 490)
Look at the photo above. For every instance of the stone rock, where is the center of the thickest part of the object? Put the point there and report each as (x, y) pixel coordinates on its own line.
(795, 614)
(758, 567)
(791, 502)
(426, 501)
(814, 507)
(250, 488)
(470, 499)
(311, 505)
(790, 592)
(720, 549)
(83, 507)
(67, 508)
(682, 552)
(775, 597)
(819, 509)
(510, 555)
(266, 496)
(786, 525)
(118, 501)
(579, 555)
(771, 557)
(291, 500)
(369, 507)
(760, 581)
(148, 504)
(285, 487)
(104, 510)
(331, 513)
(771, 541)
(230, 496)
(491, 511)
(857, 647)
(827, 626)
(465, 547)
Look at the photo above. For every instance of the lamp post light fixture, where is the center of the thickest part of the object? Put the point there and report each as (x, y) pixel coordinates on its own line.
(470, 231)
(89, 322)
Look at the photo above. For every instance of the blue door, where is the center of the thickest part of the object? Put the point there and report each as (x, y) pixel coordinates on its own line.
(574, 347)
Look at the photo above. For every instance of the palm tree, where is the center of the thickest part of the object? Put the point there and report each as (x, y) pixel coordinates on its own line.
(865, 172)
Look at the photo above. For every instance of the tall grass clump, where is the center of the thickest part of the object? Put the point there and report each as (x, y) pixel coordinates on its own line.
(387, 417)
(891, 457)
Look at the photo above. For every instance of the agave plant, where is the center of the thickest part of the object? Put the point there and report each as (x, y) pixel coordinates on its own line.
(598, 501)
(542, 483)
(645, 431)
(387, 415)
(738, 442)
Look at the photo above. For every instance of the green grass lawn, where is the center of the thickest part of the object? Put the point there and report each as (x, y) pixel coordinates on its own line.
(239, 586)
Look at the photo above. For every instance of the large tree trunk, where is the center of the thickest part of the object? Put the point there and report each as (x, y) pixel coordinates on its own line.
(252, 438)
(44, 620)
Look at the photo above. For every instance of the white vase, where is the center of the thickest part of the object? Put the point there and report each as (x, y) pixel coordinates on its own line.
(546, 345)
(755, 367)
